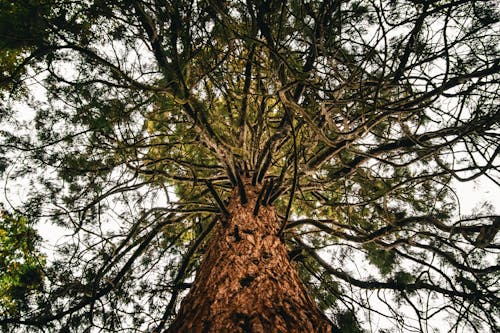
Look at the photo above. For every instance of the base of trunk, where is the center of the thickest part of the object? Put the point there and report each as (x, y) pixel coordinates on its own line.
(246, 282)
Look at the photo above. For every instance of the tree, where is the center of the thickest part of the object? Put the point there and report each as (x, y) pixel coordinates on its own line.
(280, 151)
(20, 262)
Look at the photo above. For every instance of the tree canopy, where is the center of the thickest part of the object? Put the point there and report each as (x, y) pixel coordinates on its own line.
(21, 264)
(128, 123)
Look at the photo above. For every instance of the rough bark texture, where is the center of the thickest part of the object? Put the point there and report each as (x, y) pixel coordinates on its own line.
(246, 282)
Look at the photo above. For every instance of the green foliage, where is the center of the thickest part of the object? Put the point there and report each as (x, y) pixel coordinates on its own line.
(21, 264)
(322, 286)
(402, 277)
(384, 260)
(347, 322)
(21, 23)
(22, 27)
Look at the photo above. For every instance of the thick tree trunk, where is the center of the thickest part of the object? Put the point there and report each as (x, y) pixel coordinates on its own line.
(246, 282)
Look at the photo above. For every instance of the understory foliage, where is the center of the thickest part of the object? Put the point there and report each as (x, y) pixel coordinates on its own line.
(126, 124)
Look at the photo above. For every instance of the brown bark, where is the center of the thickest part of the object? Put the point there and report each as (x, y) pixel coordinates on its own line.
(246, 282)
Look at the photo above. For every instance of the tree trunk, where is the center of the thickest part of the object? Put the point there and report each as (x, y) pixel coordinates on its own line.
(246, 283)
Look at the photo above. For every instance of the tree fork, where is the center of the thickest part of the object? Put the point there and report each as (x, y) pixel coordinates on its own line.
(246, 282)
